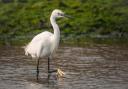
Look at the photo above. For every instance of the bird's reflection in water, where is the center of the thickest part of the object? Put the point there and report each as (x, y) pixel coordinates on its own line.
(51, 82)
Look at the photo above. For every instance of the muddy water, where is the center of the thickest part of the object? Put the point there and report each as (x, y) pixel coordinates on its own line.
(89, 67)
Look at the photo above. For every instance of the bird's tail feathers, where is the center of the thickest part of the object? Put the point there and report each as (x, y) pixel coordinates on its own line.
(25, 49)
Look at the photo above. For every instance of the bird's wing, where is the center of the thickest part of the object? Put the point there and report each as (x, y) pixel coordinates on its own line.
(42, 36)
(36, 45)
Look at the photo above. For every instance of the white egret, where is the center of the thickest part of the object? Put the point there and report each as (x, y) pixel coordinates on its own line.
(45, 44)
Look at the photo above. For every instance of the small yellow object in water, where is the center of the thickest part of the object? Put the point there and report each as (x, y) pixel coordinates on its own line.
(60, 72)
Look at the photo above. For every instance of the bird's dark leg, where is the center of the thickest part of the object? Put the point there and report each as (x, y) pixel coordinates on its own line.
(37, 68)
(48, 65)
(49, 70)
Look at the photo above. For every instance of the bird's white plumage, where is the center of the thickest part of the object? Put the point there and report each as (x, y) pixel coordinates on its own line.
(45, 43)
(40, 45)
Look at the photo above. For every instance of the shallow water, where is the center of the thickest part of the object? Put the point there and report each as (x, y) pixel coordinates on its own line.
(89, 67)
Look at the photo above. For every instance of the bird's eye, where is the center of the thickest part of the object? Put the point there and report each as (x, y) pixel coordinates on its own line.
(58, 13)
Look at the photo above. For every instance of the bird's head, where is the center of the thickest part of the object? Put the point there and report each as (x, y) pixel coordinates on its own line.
(58, 13)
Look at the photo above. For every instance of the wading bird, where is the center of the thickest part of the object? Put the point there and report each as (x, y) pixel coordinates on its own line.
(46, 43)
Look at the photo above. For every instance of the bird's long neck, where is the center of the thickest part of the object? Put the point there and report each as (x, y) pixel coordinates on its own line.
(56, 29)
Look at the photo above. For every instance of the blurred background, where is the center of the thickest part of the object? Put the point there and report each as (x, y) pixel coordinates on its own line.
(102, 21)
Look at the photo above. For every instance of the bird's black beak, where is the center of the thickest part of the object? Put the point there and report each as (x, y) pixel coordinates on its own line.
(68, 16)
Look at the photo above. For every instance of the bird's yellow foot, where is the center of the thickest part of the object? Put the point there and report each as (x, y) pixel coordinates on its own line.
(60, 73)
